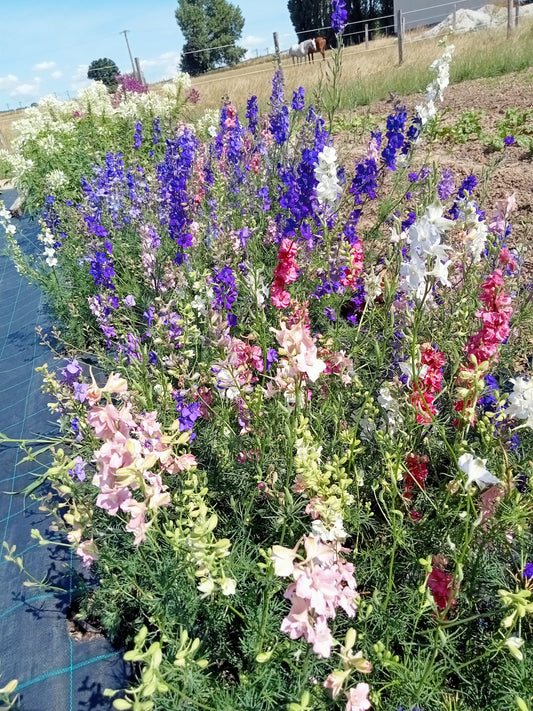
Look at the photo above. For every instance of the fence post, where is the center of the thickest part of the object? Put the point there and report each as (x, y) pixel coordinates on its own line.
(400, 37)
(278, 55)
(366, 35)
(509, 18)
(516, 6)
(454, 21)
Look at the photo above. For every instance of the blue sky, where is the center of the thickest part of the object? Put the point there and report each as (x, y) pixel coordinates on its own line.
(47, 45)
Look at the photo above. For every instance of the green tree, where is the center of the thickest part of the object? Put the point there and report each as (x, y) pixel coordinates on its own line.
(104, 70)
(211, 29)
(308, 16)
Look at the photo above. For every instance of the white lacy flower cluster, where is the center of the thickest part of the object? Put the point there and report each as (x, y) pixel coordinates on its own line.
(328, 188)
(435, 89)
(521, 400)
(207, 125)
(424, 237)
(55, 180)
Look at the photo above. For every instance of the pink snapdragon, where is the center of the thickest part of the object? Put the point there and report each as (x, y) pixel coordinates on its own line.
(323, 582)
(301, 350)
(354, 266)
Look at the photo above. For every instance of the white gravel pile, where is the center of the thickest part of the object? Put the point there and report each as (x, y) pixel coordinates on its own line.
(468, 20)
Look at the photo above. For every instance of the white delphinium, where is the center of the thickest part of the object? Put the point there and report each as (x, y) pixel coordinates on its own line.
(435, 89)
(47, 238)
(521, 400)
(476, 471)
(425, 239)
(328, 188)
(254, 279)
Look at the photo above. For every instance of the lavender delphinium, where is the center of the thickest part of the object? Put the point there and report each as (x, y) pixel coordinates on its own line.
(446, 186)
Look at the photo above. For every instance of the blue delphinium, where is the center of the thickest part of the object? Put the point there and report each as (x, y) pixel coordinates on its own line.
(173, 175)
(279, 112)
(252, 113)
(138, 137)
(339, 16)
(298, 99)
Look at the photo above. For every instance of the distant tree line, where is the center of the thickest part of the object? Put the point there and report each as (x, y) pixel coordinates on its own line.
(306, 15)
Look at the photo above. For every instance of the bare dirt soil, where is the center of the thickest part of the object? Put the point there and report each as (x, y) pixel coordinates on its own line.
(499, 173)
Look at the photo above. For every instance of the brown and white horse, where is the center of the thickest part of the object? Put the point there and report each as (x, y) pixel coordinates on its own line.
(320, 44)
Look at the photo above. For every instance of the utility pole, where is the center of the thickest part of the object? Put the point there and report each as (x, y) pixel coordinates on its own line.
(129, 50)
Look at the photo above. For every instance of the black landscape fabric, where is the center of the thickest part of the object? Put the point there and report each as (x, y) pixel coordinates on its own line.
(55, 670)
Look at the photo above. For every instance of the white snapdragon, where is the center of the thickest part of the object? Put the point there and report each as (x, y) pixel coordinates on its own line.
(328, 188)
(521, 400)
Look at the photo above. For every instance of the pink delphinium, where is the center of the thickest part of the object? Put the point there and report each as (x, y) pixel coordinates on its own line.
(323, 582)
(358, 697)
(301, 350)
(428, 383)
(484, 344)
(286, 271)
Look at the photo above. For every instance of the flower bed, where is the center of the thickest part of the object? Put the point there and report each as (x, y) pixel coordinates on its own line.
(305, 481)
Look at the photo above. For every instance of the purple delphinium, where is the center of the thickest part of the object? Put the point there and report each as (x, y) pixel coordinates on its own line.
(395, 142)
(102, 270)
(330, 313)
(339, 15)
(508, 140)
(528, 571)
(271, 358)
(298, 99)
(80, 391)
(173, 175)
(188, 413)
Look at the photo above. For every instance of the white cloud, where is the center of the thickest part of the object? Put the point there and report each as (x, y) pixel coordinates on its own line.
(56, 75)
(8, 82)
(79, 79)
(253, 41)
(164, 66)
(26, 90)
(44, 66)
